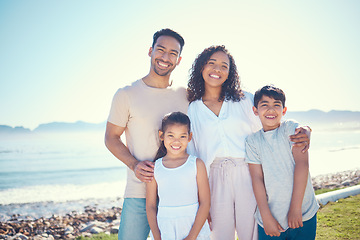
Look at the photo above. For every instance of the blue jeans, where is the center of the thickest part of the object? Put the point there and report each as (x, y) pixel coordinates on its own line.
(134, 224)
(306, 232)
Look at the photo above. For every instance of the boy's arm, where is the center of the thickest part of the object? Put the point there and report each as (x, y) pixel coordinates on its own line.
(300, 180)
(271, 226)
(204, 200)
(151, 208)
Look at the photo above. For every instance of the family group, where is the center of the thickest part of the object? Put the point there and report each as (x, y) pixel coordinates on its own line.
(210, 161)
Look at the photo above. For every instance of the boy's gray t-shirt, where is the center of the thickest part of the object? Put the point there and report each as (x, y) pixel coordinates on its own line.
(272, 149)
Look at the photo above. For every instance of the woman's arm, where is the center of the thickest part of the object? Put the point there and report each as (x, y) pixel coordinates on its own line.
(204, 200)
(151, 208)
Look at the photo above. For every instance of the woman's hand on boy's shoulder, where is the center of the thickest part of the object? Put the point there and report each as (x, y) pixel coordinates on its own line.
(301, 138)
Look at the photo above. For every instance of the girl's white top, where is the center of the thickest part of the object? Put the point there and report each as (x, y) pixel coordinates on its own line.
(223, 135)
(177, 186)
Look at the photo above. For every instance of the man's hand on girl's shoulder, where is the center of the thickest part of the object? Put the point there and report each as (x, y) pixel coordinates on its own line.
(144, 170)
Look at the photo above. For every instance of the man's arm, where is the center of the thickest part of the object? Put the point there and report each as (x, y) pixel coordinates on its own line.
(144, 170)
(271, 226)
(300, 180)
(301, 138)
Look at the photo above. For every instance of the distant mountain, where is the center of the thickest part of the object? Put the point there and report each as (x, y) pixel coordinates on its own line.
(58, 127)
(78, 126)
(333, 120)
(317, 116)
(4, 129)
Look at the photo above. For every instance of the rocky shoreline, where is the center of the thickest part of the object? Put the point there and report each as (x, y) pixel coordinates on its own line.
(70, 226)
(337, 180)
(94, 221)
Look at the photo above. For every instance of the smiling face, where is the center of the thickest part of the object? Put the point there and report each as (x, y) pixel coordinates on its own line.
(165, 55)
(216, 70)
(176, 137)
(270, 112)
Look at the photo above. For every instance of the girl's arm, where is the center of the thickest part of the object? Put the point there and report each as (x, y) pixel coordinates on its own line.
(204, 200)
(271, 226)
(151, 208)
(300, 180)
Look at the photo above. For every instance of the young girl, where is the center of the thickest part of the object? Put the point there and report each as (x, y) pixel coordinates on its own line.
(221, 118)
(178, 199)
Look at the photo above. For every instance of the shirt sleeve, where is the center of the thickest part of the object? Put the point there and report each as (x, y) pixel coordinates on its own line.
(119, 111)
(191, 147)
(251, 155)
(255, 122)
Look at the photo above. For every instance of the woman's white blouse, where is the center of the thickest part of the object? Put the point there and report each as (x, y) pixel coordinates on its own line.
(223, 135)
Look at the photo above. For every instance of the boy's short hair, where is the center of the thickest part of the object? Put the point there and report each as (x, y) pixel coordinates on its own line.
(270, 91)
(171, 33)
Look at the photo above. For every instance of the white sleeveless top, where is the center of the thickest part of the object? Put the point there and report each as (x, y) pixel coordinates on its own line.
(177, 186)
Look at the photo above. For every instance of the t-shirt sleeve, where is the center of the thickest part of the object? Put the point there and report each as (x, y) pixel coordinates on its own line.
(289, 127)
(119, 111)
(251, 155)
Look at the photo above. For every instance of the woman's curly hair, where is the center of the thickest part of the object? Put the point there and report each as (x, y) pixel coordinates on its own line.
(196, 87)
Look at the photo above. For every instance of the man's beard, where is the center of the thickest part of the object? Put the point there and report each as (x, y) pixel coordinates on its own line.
(160, 73)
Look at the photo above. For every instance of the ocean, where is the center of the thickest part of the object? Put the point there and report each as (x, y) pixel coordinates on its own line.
(46, 174)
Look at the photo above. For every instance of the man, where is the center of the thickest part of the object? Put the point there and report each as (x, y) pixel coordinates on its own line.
(137, 110)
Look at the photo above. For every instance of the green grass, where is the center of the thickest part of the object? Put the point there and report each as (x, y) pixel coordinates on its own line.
(336, 221)
(101, 236)
(339, 220)
(325, 190)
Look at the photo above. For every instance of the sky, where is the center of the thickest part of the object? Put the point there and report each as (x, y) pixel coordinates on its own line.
(64, 60)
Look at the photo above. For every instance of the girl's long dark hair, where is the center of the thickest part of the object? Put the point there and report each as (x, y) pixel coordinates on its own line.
(196, 87)
(171, 118)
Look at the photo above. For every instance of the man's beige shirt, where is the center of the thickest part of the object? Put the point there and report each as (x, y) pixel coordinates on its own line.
(140, 109)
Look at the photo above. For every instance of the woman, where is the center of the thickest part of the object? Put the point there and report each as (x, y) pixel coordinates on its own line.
(221, 118)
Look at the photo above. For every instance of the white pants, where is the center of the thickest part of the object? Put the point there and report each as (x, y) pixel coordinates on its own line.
(233, 202)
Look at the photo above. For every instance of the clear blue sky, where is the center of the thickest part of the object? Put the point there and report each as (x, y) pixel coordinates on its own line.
(64, 60)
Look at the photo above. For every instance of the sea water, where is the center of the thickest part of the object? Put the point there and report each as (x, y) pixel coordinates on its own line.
(46, 174)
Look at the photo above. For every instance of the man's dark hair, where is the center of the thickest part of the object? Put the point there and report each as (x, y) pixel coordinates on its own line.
(171, 33)
(272, 92)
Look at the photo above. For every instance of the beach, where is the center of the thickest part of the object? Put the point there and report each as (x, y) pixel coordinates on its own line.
(94, 219)
(70, 185)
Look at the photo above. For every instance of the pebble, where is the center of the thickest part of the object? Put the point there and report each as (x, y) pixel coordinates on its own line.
(337, 180)
(70, 226)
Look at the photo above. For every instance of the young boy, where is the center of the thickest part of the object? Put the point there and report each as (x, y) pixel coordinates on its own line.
(280, 173)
